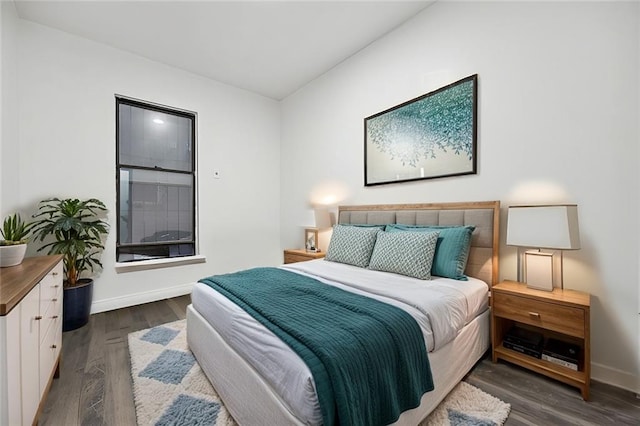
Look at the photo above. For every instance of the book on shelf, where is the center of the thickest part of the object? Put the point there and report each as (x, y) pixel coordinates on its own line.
(571, 365)
(523, 337)
(525, 341)
(531, 351)
(562, 353)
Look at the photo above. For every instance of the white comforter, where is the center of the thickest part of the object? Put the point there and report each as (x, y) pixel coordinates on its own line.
(442, 307)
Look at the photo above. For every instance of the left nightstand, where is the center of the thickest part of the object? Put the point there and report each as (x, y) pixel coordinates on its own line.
(296, 255)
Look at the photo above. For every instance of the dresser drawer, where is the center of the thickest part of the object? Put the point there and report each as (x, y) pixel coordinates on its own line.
(49, 351)
(51, 285)
(550, 316)
(52, 318)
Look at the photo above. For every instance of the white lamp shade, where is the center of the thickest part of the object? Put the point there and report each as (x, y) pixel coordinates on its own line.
(318, 218)
(550, 227)
(323, 218)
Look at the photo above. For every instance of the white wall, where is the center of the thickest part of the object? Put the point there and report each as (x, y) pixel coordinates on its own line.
(67, 149)
(558, 112)
(8, 112)
(638, 123)
(8, 153)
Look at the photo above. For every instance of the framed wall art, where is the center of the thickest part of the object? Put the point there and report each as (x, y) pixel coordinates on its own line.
(431, 136)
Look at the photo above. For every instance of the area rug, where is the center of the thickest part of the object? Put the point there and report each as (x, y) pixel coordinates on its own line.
(170, 388)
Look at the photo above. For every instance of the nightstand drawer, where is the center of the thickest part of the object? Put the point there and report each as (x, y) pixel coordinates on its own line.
(295, 255)
(550, 316)
(293, 258)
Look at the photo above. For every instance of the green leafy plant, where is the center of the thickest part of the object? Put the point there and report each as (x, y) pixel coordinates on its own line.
(77, 229)
(14, 230)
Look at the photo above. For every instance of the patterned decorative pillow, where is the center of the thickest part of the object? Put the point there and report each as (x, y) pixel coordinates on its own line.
(405, 253)
(452, 251)
(352, 244)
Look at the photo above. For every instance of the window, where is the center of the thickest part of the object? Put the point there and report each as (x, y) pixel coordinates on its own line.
(155, 181)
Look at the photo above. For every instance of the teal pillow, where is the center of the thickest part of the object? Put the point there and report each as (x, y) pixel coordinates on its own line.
(352, 245)
(405, 253)
(452, 250)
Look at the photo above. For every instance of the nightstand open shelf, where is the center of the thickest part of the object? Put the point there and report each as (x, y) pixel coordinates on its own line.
(558, 372)
(560, 314)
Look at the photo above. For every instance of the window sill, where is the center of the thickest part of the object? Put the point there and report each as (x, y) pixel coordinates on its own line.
(143, 265)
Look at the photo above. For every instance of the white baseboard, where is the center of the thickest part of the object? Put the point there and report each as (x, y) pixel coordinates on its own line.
(139, 298)
(615, 377)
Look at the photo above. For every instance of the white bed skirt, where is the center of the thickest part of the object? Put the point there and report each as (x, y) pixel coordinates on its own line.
(251, 400)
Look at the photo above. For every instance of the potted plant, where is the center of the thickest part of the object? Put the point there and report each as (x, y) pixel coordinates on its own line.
(13, 245)
(77, 233)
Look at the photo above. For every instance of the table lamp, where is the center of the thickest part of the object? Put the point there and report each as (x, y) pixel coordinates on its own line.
(321, 219)
(553, 227)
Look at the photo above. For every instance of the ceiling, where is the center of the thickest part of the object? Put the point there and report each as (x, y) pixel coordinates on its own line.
(269, 47)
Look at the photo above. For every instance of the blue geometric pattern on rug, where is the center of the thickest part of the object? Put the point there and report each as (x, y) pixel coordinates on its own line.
(189, 411)
(160, 335)
(457, 418)
(170, 366)
(170, 388)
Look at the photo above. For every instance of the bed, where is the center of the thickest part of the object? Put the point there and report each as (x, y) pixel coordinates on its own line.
(261, 381)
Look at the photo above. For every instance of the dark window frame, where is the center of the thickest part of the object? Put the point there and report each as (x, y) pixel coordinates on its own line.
(151, 246)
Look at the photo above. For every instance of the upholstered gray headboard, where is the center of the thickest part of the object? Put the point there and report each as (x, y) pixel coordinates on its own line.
(484, 215)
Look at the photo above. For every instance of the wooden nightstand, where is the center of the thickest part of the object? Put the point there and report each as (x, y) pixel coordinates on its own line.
(296, 255)
(560, 314)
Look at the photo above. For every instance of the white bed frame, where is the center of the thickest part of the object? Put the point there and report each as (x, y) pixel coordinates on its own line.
(252, 401)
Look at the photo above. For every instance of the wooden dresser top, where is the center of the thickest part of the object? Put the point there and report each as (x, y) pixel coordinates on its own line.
(17, 281)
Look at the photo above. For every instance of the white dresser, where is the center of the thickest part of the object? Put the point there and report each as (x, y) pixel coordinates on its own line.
(30, 336)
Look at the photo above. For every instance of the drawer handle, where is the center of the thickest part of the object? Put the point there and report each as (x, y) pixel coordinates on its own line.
(55, 299)
(56, 286)
(54, 317)
(53, 346)
(38, 318)
(534, 314)
(54, 274)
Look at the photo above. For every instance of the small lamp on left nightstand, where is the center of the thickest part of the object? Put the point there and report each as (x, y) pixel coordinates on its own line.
(552, 227)
(321, 219)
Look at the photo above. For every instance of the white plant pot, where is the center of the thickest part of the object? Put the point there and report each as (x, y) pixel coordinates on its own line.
(12, 255)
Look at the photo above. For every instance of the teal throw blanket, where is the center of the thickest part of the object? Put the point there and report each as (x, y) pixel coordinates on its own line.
(368, 358)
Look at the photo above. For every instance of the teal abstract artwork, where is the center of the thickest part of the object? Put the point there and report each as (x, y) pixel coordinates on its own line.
(434, 135)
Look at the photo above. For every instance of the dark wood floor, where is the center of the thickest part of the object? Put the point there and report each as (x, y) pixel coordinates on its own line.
(94, 387)
(537, 400)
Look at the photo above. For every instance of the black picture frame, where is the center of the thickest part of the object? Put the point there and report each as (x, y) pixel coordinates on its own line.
(432, 136)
